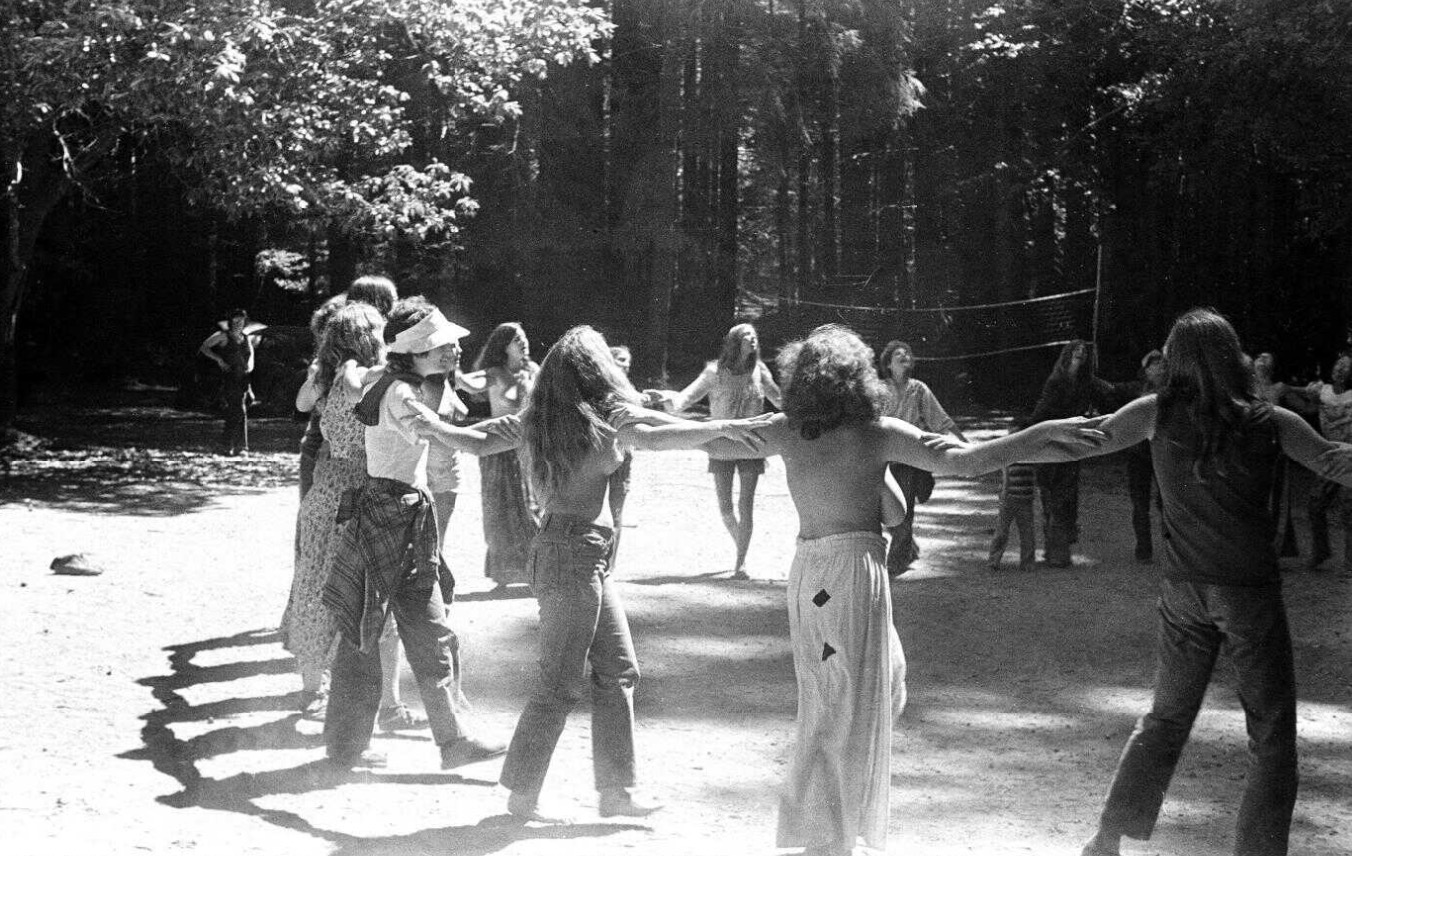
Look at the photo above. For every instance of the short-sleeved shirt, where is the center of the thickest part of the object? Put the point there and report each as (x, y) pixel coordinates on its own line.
(392, 448)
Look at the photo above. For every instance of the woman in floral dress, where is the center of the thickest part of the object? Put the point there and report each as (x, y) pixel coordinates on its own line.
(353, 341)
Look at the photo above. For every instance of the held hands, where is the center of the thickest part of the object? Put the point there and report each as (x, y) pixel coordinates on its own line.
(743, 430)
(941, 442)
(505, 428)
(629, 414)
(426, 421)
(1077, 431)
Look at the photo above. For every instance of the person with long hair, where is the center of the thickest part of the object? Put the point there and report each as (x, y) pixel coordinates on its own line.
(506, 373)
(352, 341)
(573, 439)
(1139, 470)
(379, 292)
(312, 443)
(1071, 390)
(388, 562)
(849, 664)
(738, 383)
(910, 400)
(1214, 443)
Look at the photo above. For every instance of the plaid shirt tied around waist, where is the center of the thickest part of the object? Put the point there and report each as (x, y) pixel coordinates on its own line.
(389, 547)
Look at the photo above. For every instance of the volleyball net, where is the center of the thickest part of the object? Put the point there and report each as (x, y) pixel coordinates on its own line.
(953, 333)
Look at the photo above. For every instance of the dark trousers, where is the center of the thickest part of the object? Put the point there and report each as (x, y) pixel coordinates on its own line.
(1196, 621)
(1140, 478)
(433, 652)
(1059, 507)
(1323, 496)
(1020, 511)
(581, 621)
(234, 407)
(903, 549)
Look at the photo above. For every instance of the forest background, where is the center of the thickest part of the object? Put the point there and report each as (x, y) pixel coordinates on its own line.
(659, 168)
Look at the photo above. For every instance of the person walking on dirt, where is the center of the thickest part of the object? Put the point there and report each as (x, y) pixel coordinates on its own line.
(379, 292)
(738, 384)
(1071, 390)
(910, 400)
(583, 415)
(232, 348)
(1214, 445)
(849, 664)
(388, 560)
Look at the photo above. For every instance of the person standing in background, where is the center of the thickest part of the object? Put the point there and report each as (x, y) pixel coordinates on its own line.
(232, 348)
(910, 400)
(1335, 424)
(1071, 390)
(505, 372)
(738, 383)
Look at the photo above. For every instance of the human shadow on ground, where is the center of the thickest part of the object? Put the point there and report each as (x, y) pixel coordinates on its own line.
(239, 793)
(509, 592)
(719, 575)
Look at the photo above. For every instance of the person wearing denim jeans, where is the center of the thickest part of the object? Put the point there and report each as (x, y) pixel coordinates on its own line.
(356, 680)
(581, 620)
(583, 418)
(1196, 620)
(1214, 444)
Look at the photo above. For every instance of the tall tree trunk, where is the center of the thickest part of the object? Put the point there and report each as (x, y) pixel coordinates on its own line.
(727, 201)
(830, 163)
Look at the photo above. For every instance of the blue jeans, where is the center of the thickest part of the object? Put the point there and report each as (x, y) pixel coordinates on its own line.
(1196, 621)
(580, 620)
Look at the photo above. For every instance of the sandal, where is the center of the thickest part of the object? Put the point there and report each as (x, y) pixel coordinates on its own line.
(400, 718)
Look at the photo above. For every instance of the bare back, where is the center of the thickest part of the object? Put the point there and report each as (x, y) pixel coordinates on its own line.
(583, 494)
(836, 478)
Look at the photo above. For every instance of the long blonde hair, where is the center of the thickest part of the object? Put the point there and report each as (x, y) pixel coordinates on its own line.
(579, 386)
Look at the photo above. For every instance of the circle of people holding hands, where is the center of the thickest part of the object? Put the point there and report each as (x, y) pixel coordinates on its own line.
(860, 447)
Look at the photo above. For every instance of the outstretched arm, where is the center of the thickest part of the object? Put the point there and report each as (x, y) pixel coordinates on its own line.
(482, 439)
(1042, 442)
(771, 438)
(683, 434)
(1135, 422)
(1300, 442)
(693, 392)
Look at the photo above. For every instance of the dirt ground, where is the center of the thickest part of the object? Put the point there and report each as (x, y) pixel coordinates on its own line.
(152, 707)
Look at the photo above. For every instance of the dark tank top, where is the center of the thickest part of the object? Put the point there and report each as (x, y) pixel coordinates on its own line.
(1219, 524)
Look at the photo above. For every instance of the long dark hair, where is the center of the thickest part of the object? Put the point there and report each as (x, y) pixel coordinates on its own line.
(494, 352)
(1207, 380)
(734, 357)
(1061, 369)
(829, 380)
(579, 386)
